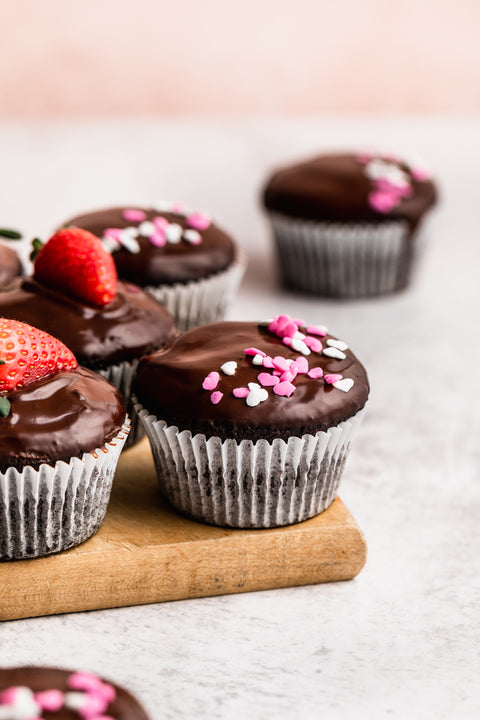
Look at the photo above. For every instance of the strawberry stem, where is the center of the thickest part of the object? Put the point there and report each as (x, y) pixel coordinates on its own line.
(10, 234)
(4, 406)
(37, 245)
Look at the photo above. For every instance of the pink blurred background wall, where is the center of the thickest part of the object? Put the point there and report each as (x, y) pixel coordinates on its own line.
(100, 57)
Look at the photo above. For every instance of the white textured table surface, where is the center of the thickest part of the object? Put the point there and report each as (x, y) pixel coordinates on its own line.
(401, 640)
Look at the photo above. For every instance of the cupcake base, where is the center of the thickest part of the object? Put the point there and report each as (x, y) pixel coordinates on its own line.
(342, 260)
(203, 301)
(249, 484)
(57, 506)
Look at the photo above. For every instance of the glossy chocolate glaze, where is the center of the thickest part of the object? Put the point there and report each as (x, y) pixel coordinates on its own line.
(131, 325)
(59, 417)
(169, 385)
(181, 262)
(334, 188)
(10, 265)
(38, 679)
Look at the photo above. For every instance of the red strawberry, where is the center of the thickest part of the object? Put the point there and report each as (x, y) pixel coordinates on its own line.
(75, 261)
(28, 354)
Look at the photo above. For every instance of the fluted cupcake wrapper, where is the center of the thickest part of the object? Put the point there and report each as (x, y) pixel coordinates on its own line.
(57, 506)
(344, 260)
(121, 376)
(201, 301)
(249, 484)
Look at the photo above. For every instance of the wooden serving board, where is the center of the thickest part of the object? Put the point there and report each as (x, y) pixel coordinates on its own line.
(145, 553)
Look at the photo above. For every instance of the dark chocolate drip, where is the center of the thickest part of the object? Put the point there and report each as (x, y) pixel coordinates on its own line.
(170, 386)
(334, 188)
(38, 679)
(10, 265)
(174, 262)
(59, 417)
(133, 324)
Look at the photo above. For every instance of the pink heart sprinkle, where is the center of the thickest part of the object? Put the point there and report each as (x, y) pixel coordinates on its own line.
(382, 202)
(314, 330)
(298, 323)
(160, 222)
(158, 239)
(199, 221)
(419, 173)
(108, 692)
(8, 696)
(215, 397)
(50, 700)
(313, 343)
(283, 321)
(268, 362)
(284, 388)
(277, 372)
(301, 365)
(280, 363)
(315, 373)
(211, 381)
(290, 329)
(287, 341)
(288, 376)
(267, 380)
(83, 681)
(113, 234)
(241, 392)
(133, 215)
(272, 327)
(332, 377)
(254, 351)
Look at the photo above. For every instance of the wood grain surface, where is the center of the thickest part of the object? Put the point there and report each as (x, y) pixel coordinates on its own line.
(145, 553)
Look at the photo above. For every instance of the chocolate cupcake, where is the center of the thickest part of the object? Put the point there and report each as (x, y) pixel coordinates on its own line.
(62, 428)
(250, 424)
(35, 692)
(10, 264)
(347, 225)
(74, 295)
(180, 257)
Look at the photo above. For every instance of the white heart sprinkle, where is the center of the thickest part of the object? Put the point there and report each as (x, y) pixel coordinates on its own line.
(334, 353)
(173, 233)
(257, 359)
(298, 336)
(130, 243)
(339, 344)
(192, 236)
(146, 228)
(299, 346)
(75, 700)
(110, 244)
(229, 367)
(256, 395)
(344, 384)
(131, 232)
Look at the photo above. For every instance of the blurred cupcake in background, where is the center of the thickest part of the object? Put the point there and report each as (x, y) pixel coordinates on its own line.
(10, 263)
(348, 225)
(178, 255)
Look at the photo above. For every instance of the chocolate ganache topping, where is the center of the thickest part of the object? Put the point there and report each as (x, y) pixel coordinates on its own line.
(351, 188)
(132, 324)
(248, 380)
(58, 417)
(160, 246)
(29, 692)
(10, 265)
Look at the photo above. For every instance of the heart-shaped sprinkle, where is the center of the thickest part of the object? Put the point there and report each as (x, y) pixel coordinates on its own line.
(173, 233)
(344, 385)
(211, 381)
(133, 215)
(129, 241)
(301, 365)
(160, 222)
(215, 397)
(299, 346)
(290, 329)
(319, 330)
(199, 221)
(229, 367)
(331, 378)
(313, 343)
(268, 362)
(146, 228)
(332, 352)
(287, 341)
(284, 389)
(158, 238)
(339, 344)
(280, 363)
(240, 392)
(288, 376)
(256, 395)
(257, 360)
(267, 380)
(192, 236)
(254, 351)
(49, 700)
(315, 373)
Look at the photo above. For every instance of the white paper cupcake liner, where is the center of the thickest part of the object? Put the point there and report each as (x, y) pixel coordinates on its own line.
(249, 484)
(203, 301)
(344, 260)
(57, 506)
(121, 376)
